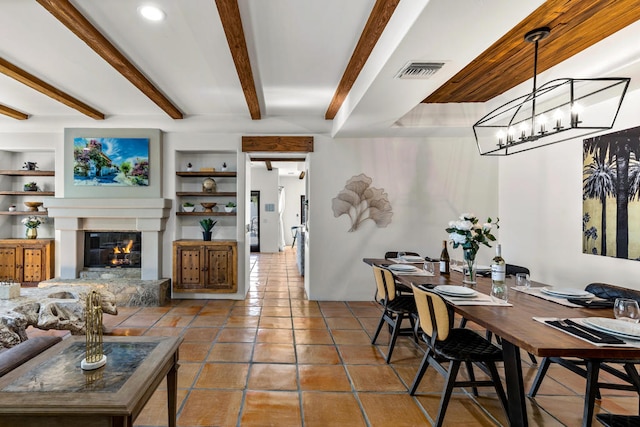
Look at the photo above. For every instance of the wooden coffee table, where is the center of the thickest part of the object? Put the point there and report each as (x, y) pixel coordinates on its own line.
(52, 389)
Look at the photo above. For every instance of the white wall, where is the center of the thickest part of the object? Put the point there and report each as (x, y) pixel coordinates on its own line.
(541, 207)
(294, 188)
(429, 183)
(266, 182)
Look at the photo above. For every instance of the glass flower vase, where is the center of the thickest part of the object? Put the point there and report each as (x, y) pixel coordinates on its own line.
(32, 233)
(469, 270)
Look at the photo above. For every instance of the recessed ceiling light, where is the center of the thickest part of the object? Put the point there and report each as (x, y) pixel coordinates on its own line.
(151, 13)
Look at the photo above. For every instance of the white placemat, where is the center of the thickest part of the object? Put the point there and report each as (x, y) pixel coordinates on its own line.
(417, 272)
(479, 299)
(403, 261)
(537, 293)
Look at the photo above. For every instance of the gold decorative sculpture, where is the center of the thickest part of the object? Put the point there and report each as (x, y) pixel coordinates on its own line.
(94, 357)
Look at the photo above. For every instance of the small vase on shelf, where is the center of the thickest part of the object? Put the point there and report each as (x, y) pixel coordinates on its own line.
(32, 233)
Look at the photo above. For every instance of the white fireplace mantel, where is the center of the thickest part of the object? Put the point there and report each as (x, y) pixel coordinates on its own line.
(73, 216)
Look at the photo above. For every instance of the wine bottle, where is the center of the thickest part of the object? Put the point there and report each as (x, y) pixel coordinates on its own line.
(498, 267)
(444, 259)
(499, 291)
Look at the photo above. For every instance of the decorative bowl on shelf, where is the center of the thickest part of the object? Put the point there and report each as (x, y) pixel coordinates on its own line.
(208, 206)
(33, 206)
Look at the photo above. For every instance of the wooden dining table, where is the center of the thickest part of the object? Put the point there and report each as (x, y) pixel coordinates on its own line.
(516, 326)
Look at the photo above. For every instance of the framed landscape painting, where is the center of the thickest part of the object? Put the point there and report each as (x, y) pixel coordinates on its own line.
(113, 162)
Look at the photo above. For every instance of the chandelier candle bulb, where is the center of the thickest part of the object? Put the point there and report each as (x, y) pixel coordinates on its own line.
(575, 114)
(542, 121)
(523, 131)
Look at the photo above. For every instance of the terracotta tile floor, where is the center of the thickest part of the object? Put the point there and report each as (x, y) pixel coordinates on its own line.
(276, 359)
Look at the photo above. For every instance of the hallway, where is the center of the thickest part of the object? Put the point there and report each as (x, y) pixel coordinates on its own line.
(277, 359)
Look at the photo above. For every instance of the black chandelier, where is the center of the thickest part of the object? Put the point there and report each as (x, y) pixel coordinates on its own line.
(559, 110)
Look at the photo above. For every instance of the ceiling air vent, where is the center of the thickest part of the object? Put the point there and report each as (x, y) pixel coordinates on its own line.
(419, 70)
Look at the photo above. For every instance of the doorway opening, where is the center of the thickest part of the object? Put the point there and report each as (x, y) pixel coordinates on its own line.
(254, 228)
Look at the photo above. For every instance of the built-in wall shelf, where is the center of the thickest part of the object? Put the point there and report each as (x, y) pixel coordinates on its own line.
(206, 213)
(204, 194)
(25, 213)
(214, 174)
(27, 173)
(27, 193)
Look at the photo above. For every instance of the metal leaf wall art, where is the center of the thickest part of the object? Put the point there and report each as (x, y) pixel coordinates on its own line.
(361, 202)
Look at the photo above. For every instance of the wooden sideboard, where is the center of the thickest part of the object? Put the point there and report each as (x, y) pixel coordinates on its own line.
(27, 261)
(205, 266)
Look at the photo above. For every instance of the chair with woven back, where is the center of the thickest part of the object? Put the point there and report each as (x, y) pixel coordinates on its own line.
(456, 346)
(395, 308)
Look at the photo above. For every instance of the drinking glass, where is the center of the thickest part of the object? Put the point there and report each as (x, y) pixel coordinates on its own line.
(430, 268)
(523, 281)
(627, 310)
(401, 255)
(500, 293)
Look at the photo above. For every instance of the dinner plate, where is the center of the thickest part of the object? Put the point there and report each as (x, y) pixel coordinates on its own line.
(455, 291)
(615, 327)
(567, 293)
(401, 267)
(412, 258)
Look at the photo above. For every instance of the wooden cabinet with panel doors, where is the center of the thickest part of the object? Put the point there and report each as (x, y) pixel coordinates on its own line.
(205, 266)
(28, 261)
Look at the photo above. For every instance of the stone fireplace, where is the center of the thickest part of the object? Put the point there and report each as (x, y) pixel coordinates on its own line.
(76, 216)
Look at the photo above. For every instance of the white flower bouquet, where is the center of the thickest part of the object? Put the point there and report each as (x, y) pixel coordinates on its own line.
(468, 233)
(33, 221)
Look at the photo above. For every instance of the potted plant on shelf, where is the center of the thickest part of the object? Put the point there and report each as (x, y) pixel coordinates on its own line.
(188, 207)
(230, 207)
(31, 186)
(207, 225)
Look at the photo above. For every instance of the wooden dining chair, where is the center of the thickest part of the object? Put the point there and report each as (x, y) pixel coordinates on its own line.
(510, 270)
(395, 308)
(590, 369)
(456, 346)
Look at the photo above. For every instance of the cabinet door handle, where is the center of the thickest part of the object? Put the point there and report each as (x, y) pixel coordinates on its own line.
(204, 268)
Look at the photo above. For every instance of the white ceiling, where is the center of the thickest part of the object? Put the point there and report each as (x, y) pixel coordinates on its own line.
(298, 50)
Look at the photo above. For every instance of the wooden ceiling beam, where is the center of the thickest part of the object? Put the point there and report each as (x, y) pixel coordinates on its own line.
(575, 26)
(45, 88)
(15, 114)
(71, 18)
(378, 19)
(284, 144)
(232, 23)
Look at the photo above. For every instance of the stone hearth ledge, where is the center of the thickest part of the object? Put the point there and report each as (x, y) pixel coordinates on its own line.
(128, 292)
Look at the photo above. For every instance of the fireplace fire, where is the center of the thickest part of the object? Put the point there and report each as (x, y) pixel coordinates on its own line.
(112, 249)
(122, 255)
